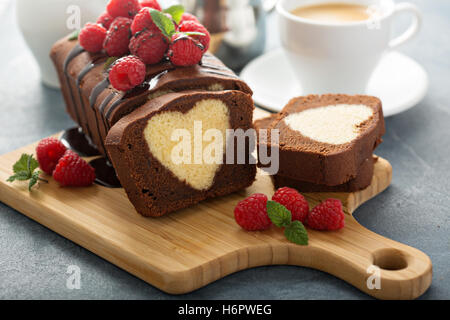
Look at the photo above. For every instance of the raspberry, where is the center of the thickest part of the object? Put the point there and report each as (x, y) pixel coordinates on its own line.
(48, 153)
(123, 8)
(188, 17)
(185, 51)
(251, 213)
(294, 202)
(105, 20)
(118, 37)
(73, 171)
(150, 47)
(151, 4)
(127, 73)
(192, 26)
(91, 37)
(143, 20)
(327, 216)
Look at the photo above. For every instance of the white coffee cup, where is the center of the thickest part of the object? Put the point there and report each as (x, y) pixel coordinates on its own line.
(330, 57)
(44, 22)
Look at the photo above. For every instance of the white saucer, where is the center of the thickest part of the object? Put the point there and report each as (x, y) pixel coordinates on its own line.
(399, 82)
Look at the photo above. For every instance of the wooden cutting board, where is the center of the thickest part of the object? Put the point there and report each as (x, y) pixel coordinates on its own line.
(189, 249)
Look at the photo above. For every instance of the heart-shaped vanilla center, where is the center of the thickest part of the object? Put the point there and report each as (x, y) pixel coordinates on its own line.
(185, 143)
(334, 124)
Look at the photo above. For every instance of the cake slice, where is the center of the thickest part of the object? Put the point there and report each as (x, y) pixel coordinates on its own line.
(141, 147)
(362, 181)
(325, 139)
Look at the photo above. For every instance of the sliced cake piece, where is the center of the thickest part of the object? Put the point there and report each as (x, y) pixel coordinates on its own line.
(362, 181)
(265, 123)
(325, 139)
(161, 176)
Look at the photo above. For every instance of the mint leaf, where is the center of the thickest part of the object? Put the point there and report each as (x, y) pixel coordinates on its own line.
(21, 164)
(20, 176)
(35, 177)
(109, 62)
(24, 169)
(176, 11)
(163, 23)
(32, 164)
(278, 214)
(297, 233)
(193, 33)
(25, 165)
(74, 35)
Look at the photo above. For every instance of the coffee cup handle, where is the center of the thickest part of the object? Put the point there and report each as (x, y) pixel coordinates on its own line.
(413, 28)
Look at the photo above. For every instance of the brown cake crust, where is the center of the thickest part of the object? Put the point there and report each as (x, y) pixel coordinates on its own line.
(320, 163)
(362, 181)
(96, 106)
(265, 123)
(153, 189)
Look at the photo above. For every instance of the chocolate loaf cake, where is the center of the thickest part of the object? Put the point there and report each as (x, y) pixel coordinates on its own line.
(141, 146)
(209, 92)
(325, 140)
(96, 106)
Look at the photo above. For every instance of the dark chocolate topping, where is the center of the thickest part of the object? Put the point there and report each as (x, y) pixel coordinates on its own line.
(72, 55)
(105, 175)
(77, 141)
(79, 80)
(98, 89)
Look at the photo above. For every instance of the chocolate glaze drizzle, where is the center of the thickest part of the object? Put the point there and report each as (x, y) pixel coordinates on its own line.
(76, 140)
(80, 77)
(105, 175)
(151, 84)
(102, 107)
(72, 55)
(98, 89)
(146, 86)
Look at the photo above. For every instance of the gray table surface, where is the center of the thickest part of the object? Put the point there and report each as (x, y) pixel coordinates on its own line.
(414, 210)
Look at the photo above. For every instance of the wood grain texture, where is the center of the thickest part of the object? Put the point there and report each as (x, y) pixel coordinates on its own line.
(191, 248)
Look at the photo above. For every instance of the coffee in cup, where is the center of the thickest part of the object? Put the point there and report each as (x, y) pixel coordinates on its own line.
(335, 12)
(333, 47)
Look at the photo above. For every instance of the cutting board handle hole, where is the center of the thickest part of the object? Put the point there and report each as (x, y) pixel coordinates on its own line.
(390, 259)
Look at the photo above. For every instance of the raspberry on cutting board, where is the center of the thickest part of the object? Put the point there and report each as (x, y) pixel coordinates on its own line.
(251, 213)
(48, 153)
(73, 171)
(293, 201)
(327, 216)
